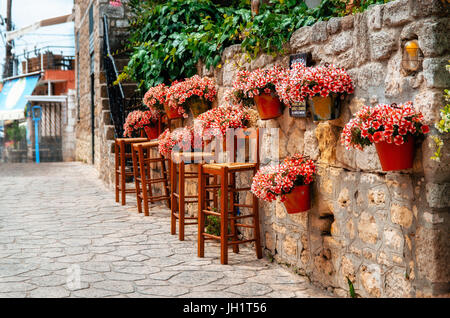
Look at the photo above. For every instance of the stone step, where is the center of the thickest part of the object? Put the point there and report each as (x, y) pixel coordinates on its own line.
(109, 132)
(106, 117)
(128, 89)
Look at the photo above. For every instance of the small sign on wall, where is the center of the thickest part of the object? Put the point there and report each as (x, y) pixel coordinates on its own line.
(299, 110)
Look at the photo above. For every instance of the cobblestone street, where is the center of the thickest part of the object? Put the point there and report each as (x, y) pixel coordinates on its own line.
(63, 235)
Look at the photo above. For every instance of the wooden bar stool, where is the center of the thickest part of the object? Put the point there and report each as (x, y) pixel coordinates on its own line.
(142, 166)
(178, 179)
(122, 154)
(230, 221)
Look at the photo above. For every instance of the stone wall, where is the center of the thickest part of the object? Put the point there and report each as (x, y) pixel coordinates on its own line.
(103, 129)
(68, 141)
(386, 232)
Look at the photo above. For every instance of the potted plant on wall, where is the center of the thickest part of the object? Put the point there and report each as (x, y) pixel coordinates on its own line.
(139, 122)
(195, 94)
(260, 85)
(181, 139)
(155, 98)
(323, 87)
(394, 129)
(289, 180)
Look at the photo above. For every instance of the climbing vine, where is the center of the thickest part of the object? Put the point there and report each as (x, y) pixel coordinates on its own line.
(168, 38)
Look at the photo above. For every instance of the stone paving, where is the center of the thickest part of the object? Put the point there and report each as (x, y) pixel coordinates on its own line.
(63, 235)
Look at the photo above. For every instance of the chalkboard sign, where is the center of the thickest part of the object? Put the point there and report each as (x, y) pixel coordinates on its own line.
(304, 58)
(299, 110)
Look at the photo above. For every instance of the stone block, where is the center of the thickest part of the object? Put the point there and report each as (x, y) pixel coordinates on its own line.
(319, 32)
(435, 73)
(300, 38)
(382, 43)
(341, 43)
(393, 239)
(402, 215)
(311, 145)
(425, 8)
(371, 75)
(438, 195)
(334, 25)
(327, 137)
(396, 13)
(367, 228)
(367, 160)
(375, 17)
(360, 40)
(397, 284)
(370, 277)
(432, 36)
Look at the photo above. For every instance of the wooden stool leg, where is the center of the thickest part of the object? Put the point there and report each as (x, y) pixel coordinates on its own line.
(166, 185)
(122, 171)
(149, 177)
(201, 215)
(143, 167)
(116, 164)
(136, 181)
(173, 204)
(255, 211)
(181, 202)
(233, 212)
(224, 217)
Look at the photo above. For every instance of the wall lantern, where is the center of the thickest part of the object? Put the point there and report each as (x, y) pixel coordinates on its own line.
(411, 56)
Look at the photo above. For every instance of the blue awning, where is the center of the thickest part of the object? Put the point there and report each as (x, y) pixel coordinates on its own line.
(12, 96)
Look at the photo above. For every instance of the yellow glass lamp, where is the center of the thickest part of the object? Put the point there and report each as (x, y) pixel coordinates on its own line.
(411, 60)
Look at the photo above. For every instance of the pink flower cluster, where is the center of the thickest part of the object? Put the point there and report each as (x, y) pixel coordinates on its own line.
(115, 3)
(249, 84)
(137, 120)
(302, 82)
(217, 120)
(155, 97)
(272, 181)
(390, 123)
(181, 139)
(180, 92)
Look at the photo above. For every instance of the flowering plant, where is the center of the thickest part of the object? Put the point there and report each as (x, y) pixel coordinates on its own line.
(155, 97)
(272, 181)
(184, 139)
(302, 82)
(217, 120)
(390, 123)
(137, 120)
(115, 3)
(180, 93)
(236, 95)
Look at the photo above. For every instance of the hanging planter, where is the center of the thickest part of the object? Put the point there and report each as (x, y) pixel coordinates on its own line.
(298, 200)
(289, 180)
(151, 132)
(269, 107)
(198, 105)
(138, 120)
(396, 157)
(325, 108)
(259, 87)
(194, 93)
(393, 129)
(322, 87)
(172, 113)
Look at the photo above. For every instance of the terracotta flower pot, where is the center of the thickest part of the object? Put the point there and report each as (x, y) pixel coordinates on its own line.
(269, 107)
(393, 157)
(298, 200)
(325, 108)
(151, 132)
(171, 113)
(198, 106)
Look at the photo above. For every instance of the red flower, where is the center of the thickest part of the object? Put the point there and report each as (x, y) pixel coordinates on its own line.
(378, 136)
(425, 129)
(398, 140)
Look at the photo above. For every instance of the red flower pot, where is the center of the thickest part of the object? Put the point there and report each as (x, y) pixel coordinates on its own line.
(298, 200)
(171, 113)
(151, 132)
(393, 157)
(269, 107)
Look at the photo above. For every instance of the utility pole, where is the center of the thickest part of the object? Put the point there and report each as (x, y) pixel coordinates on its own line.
(8, 55)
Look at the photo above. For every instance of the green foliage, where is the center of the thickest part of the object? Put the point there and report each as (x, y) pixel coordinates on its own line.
(351, 288)
(168, 38)
(443, 126)
(15, 133)
(212, 223)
